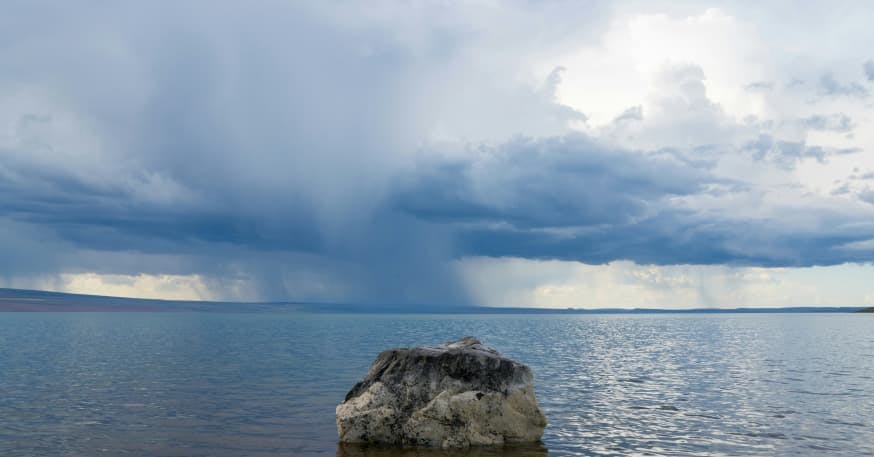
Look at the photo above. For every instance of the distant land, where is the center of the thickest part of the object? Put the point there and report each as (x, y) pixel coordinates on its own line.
(20, 300)
(867, 310)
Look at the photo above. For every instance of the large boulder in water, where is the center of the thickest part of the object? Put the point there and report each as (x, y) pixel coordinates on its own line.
(457, 394)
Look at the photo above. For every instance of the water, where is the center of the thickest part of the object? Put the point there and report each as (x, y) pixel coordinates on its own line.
(87, 384)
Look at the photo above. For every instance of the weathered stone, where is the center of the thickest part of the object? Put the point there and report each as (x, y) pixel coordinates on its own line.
(378, 450)
(457, 394)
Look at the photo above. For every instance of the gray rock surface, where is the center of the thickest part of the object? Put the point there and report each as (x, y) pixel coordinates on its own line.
(381, 450)
(462, 393)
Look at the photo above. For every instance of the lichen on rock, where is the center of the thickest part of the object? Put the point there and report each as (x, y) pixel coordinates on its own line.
(458, 394)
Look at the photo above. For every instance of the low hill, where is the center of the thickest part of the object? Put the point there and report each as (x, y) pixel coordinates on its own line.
(19, 300)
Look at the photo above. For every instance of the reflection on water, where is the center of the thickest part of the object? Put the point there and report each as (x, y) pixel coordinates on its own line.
(142, 385)
(364, 450)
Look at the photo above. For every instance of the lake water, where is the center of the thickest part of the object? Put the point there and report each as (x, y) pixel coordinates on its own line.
(139, 384)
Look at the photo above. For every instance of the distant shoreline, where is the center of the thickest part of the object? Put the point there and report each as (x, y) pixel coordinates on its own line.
(20, 300)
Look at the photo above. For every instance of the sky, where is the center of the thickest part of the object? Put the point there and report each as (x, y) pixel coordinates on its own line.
(550, 154)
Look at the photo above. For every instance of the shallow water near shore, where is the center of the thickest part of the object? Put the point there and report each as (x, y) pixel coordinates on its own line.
(85, 384)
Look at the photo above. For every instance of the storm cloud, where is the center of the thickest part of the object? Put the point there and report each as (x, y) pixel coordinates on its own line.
(336, 152)
(572, 198)
(227, 141)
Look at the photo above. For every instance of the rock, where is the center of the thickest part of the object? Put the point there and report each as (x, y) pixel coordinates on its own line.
(462, 393)
(377, 450)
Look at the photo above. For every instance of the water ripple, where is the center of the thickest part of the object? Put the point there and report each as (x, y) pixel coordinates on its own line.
(266, 385)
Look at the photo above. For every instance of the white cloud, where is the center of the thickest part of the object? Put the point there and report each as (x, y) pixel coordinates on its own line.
(171, 287)
(558, 284)
(688, 73)
(160, 286)
(626, 64)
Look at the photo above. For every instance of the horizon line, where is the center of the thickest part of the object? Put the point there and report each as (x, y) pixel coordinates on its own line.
(384, 308)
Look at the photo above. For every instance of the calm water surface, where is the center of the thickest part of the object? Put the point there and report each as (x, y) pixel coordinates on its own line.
(86, 384)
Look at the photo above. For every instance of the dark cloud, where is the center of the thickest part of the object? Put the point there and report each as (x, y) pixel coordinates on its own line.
(787, 154)
(224, 138)
(575, 199)
(867, 196)
(552, 183)
(868, 69)
(675, 238)
(304, 148)
(840, 123)
(828, 85)
(252, 143)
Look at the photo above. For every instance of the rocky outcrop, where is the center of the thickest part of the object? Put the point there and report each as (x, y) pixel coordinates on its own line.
(462, 393)
(377, 450)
